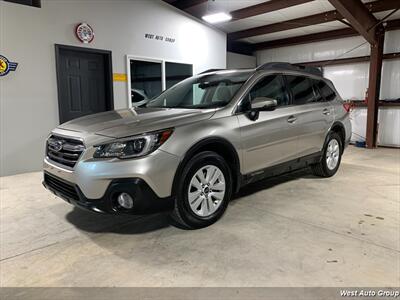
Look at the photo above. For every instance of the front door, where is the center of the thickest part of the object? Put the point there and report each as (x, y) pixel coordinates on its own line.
(84, 82)
(272, 138)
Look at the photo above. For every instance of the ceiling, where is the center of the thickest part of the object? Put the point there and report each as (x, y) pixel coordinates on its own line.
(285, 22)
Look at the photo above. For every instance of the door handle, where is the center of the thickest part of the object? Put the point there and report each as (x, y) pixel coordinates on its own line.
(326, 112)
(292, 119)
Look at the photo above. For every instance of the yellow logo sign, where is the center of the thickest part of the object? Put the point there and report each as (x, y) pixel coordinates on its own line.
(6, 66)
(120, 77)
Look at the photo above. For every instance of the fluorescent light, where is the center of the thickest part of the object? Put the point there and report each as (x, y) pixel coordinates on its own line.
(217, 18)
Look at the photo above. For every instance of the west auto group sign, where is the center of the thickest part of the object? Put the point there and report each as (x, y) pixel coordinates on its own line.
(159, 38)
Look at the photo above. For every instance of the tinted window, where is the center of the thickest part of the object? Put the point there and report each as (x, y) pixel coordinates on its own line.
(270, 87)
(175, 72)
(317, 93)
(325, 90)
(145, 80)
(302, 89)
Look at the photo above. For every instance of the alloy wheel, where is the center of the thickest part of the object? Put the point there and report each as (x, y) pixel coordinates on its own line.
(332, 154)
(206, 190)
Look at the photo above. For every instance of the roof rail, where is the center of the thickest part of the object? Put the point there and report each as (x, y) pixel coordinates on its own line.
(211, 70)
(289, 66)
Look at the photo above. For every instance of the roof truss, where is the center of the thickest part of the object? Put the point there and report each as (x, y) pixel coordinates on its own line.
(329, 16)
(360, 18)
(318, 37)
(186, 4)
(264, 7)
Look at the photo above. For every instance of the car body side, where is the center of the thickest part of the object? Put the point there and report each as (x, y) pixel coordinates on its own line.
(247, 147)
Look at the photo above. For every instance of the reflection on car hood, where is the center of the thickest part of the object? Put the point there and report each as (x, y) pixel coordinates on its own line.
(128, 122)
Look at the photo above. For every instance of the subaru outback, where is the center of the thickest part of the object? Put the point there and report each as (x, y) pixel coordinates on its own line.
(196, 144)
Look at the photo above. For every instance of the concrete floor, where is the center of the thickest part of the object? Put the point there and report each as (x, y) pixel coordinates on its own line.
(296, 230)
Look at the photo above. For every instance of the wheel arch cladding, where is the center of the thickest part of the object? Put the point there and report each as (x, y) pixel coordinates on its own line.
(218, 145)
(339, 129)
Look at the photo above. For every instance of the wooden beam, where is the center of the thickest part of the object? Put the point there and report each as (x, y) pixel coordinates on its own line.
(392, 25)
(329, 16)
(318, 37)
(377, 6)
(360, 18)
(286, 25)
(348, 60)
(361, 103)
(240, 47)
(186, 4)
(305, 39)
(264, 7)
(374, 85)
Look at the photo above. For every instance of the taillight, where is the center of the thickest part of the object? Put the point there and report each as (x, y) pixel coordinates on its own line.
(347, 106)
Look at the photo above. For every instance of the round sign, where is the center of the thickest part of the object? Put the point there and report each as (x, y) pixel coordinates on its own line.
(6, 66)
(84, 33)
(3, 65)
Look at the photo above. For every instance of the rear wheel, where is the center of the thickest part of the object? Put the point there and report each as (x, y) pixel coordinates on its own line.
(204, 191)
(331, 156)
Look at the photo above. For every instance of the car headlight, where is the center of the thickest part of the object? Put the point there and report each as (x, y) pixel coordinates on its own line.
(135, 146)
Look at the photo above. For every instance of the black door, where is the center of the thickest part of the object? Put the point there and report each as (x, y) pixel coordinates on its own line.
(84, 81)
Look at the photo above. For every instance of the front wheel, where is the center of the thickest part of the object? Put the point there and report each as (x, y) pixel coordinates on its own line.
(204, 191)
(331, 156)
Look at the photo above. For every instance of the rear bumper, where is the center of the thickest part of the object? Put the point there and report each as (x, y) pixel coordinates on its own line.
(144, 198)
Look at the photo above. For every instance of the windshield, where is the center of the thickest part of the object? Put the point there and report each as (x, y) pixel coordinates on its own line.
(202, 91)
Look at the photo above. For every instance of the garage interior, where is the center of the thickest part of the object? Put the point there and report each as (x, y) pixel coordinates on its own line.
(294, 230)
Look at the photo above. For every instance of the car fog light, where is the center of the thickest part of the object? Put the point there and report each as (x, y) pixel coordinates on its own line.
(125, 200)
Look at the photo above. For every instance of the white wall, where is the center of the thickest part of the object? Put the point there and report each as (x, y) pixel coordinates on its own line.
(240, 61)
(28, 97)
(351, 80)
(388, 130)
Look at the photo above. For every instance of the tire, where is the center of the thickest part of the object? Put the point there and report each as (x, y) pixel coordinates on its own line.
(209, 196)
(326, 167)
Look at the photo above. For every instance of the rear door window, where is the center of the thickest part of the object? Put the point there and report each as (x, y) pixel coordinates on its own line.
(327, 93)
(317, 92)
(302, 89)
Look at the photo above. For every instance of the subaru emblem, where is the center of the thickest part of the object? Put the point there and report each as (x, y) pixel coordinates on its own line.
(56, 145)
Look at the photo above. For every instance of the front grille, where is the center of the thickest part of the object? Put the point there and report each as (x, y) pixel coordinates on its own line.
(67, 190)
(64, 151)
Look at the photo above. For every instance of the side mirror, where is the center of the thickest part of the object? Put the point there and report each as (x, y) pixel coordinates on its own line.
(261, 104)
(264, 104)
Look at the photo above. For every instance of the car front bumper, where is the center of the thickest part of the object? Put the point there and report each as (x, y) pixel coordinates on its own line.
(144, 199)
(95, 184)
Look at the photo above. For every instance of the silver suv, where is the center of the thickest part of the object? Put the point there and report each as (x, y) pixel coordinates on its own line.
(193, 146)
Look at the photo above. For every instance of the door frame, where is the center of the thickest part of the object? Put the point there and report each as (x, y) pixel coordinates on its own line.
(128, 73)
(107, 55)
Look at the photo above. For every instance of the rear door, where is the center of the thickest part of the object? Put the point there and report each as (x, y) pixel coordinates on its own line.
(314, 115)
(270, 139)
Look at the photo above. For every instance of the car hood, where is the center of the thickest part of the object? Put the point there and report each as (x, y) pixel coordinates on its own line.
(128, 122)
